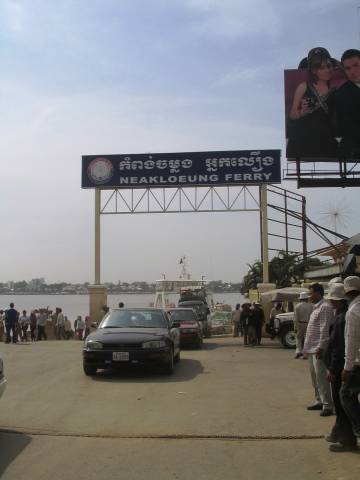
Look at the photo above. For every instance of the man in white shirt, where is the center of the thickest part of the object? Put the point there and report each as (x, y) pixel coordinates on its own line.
(350, 389)
(24, 322)
(316, 343)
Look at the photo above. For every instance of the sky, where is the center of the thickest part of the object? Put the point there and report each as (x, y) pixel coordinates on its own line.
(82, 77)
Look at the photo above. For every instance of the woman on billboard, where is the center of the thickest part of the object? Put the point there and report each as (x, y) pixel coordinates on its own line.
(310, 125)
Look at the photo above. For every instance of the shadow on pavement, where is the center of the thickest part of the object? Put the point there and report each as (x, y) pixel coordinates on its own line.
(186, 369)
(11, 445)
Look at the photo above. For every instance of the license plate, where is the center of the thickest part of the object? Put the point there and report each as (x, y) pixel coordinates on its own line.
(121, 356)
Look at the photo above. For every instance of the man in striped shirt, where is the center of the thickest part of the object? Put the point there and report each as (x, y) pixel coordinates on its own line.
(316, 342)
(351, 374)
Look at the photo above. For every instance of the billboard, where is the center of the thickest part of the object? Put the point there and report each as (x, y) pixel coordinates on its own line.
(322, 107)
(185, 169)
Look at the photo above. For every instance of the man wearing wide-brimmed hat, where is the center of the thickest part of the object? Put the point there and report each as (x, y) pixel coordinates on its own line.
(301, 319)
(351, 374)
(341, 436)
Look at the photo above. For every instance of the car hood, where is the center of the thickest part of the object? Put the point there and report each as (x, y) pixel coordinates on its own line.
(127, 335)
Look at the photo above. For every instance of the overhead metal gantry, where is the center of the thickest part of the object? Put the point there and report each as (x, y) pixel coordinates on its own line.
(180, 200)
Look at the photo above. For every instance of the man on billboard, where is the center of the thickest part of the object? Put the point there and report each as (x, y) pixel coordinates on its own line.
(347, 102)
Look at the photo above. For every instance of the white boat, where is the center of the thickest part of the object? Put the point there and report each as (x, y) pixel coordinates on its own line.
(184, 286)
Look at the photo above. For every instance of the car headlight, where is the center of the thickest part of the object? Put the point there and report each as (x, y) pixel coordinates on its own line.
(93, 345)
(154, 344)
(276, 324)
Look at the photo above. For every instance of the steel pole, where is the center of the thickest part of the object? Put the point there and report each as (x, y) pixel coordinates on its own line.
(264, 233)
(97, 235)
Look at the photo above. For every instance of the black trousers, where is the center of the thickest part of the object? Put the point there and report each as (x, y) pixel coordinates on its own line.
(342, 429)
(258, 329)
(41, 332)
(349, 395)
(11, 327)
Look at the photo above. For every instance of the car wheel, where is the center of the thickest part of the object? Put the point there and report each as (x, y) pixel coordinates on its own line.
(169, 366)
(288, 339)
(89, 370)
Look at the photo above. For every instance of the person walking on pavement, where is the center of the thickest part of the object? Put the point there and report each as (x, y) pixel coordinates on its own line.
(316, 342)
(11, 323)
(235, 317)
(301, 319)
(259, 320)
(341, 436)
(350, 388)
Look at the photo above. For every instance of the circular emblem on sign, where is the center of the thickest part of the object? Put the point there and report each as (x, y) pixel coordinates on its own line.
(100, 170)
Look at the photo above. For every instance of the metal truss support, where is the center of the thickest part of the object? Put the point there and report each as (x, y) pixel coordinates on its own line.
(180, 200)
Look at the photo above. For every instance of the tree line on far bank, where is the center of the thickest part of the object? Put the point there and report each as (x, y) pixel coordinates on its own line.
(40, 287)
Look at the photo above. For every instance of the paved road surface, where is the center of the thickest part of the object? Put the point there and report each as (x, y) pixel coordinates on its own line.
(228, 411)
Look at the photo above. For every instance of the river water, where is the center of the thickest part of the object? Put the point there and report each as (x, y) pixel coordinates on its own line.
(74, 305)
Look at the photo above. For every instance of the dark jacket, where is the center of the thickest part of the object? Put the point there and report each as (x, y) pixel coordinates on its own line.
(334, 356)
(347, 105)
(11, 316)
(246, 318)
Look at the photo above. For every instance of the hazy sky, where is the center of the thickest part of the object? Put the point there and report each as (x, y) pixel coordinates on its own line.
(132, 76)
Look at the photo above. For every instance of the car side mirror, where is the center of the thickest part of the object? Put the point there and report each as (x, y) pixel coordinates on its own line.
(94, 325)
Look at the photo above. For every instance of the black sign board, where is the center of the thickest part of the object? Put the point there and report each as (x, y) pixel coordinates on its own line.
(186, 169)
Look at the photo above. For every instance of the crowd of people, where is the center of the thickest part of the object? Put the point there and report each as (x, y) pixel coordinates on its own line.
(327, 331)
(248, 321)
(35, 326)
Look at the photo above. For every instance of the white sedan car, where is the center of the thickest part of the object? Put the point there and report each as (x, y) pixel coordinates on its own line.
(2, 377)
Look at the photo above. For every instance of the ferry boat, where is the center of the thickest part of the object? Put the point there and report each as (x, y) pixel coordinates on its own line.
(184, 286)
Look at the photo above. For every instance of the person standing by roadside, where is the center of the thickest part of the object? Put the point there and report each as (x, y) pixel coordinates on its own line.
(350, 389)
(41, 324)
(11, 324)
(2, 325)
(341, 436)
(24, 322)
(67, 328)
(235, 317)
(246, 321)
(277, 308)
(87, 326)
(33, 324)
(302, 314)
(259, 320)
(79, 327)
(316, 342)
(60, 324)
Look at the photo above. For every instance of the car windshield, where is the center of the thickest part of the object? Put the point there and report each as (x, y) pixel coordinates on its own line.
(182, 315)
(134, 319)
